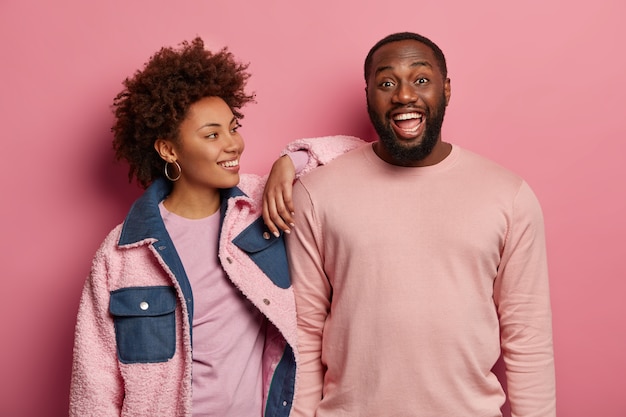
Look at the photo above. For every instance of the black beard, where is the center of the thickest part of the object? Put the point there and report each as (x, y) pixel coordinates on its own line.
(405, 155)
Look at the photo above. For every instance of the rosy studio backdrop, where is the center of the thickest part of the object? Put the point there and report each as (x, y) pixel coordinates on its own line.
(537, 85)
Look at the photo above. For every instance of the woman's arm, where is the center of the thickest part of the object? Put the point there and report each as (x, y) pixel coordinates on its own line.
(278, 206)
(277, 203)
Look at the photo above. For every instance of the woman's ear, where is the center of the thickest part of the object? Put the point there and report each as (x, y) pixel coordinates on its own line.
(165, 149)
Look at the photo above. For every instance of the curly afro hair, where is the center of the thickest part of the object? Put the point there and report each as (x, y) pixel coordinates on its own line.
(155, 101)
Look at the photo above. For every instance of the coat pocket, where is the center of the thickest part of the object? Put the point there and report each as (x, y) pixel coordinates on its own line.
(266, 251)
(145, 323)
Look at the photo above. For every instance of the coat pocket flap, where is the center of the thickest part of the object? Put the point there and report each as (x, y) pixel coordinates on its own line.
(255, 238)
(143, 301)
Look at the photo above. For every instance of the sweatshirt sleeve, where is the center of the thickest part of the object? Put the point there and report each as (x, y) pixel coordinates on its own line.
(322, 150)
(312, 292)
(522, 297)
(299, 159)
(96, 383)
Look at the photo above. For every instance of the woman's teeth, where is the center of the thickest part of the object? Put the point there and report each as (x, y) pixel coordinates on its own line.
(230, 164)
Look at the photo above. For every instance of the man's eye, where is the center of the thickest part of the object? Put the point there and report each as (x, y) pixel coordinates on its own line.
(421, 80)
(386, 84)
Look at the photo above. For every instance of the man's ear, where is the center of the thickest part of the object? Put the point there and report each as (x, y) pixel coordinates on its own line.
(165, 149)
(447, 90)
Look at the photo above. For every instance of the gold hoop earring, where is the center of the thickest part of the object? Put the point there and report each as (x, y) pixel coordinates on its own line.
(167, 174)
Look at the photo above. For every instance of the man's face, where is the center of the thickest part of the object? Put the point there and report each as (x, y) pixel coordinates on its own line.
(406, 101)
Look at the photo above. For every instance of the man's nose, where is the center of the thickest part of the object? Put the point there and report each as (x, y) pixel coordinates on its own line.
(406, 93)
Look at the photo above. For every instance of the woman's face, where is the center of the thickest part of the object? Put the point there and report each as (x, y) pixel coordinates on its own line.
(210, 146)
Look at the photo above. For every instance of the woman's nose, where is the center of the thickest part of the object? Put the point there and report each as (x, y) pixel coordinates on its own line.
(234, 142)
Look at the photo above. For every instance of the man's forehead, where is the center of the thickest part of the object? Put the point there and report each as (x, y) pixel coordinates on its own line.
(409, 52)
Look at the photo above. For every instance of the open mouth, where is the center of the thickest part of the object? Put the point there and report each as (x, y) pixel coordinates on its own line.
(408, 125)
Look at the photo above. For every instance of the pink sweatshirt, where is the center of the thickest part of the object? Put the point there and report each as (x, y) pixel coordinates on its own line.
(410, 283)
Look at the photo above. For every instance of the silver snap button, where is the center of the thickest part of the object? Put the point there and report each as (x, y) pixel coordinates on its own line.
(144, 305)
(284, 403)
(266, 235)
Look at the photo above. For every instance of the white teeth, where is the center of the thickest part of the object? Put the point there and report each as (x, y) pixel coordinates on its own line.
(407, 116)
(230, 164)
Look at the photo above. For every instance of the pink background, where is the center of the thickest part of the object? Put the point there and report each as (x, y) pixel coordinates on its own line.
(537, 85)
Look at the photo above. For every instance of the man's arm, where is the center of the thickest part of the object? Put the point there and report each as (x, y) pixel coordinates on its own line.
(522, 298)
(312, 291)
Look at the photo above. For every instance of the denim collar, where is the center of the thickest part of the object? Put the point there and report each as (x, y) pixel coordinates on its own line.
(144, 220)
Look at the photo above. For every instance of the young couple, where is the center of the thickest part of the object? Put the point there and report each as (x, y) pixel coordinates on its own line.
(414, 263)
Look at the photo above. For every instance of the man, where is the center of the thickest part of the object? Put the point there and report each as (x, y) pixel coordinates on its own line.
(416, 264)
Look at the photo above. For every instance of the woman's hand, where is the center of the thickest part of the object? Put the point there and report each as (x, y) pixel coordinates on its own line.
(277, 203)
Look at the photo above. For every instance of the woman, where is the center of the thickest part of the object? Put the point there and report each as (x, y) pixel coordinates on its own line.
(188, 309)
